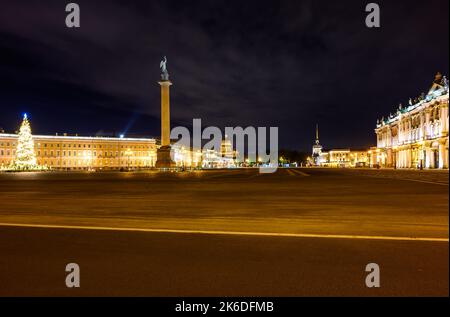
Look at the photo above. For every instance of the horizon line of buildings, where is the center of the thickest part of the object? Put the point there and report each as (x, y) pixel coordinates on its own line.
(338, 157)
(63, 152)
(415, 136)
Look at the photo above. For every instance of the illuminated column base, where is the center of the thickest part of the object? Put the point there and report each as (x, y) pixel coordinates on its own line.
(164, 159)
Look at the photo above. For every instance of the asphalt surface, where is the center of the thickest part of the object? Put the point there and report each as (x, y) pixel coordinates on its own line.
(225, 233)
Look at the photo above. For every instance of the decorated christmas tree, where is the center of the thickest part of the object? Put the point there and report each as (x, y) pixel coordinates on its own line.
(25, 156)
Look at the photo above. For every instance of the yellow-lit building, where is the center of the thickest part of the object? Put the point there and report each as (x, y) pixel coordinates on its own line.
(84, 153)
(344, 158)
(338, 157)
(207, 158)
(186, 157)
(416, 136)
(63, 152)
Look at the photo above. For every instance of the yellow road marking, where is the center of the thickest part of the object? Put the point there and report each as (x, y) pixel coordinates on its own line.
(290, 172)
(300, 172)
(236, 233)
(410, 179)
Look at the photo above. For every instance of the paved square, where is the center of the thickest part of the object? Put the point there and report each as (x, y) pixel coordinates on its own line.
(225, 232)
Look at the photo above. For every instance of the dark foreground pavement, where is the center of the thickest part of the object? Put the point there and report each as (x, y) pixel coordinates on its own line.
(169, 264)
(320, 202)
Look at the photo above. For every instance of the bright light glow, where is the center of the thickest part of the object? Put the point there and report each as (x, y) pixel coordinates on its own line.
(128, 152)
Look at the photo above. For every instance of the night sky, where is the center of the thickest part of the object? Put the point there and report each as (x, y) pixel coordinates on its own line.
(290, 64)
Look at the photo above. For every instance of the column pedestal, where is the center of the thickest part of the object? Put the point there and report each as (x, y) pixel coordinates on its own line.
(163, 159)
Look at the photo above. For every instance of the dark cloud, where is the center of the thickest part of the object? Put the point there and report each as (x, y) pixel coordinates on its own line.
(273, 63)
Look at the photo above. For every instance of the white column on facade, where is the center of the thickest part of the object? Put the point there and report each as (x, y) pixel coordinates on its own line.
(444, 119)
(397, 158)
(422, 127)
(421, 157)
(402, 158)
(408, 130)
(389, 137)
(389, 144)
(431, 158)
(427, 157)
(405, 158)
(408, 157)
(427, 122)
(403, 130)
(400, 153)
(411, 132)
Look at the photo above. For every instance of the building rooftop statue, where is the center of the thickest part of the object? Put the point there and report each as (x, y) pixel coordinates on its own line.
(438, 88)
(164, 72)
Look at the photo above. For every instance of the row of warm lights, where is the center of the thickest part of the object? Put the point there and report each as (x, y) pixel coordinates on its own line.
(128, 152)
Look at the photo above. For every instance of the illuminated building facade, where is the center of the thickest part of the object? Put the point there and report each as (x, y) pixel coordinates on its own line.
(338, 157)
(207, 158)
(185, 157)
(109, 153)
(342, 158)
(84, 153)
(416, 136)
(227, 154)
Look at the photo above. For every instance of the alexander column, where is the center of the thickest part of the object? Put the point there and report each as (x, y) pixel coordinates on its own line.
(163, 159)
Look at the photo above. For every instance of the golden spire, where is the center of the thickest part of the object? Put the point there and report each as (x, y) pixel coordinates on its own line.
(317, 134)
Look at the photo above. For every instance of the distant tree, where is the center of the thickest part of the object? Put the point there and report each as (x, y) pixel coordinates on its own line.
(292, 156)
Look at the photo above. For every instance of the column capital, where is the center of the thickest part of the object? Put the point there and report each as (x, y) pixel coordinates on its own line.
(165, 83)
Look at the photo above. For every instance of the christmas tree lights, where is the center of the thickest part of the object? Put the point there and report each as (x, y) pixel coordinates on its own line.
(25, 159)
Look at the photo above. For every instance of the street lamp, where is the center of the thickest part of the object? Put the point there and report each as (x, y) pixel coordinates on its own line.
(282, 161)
